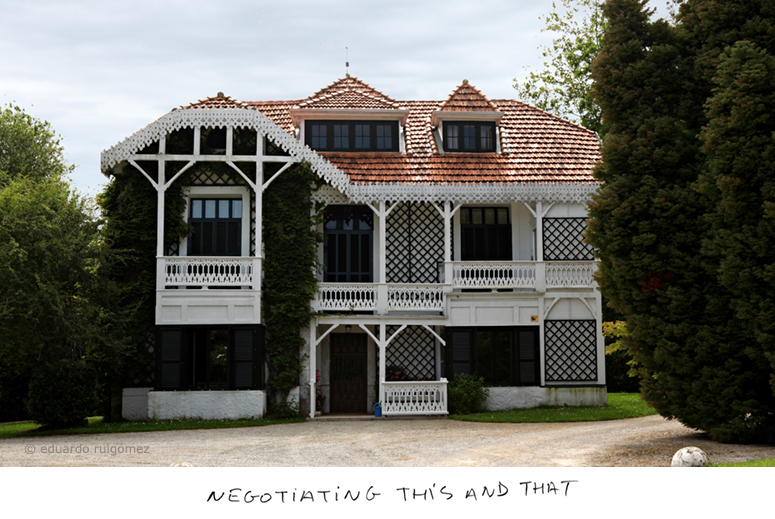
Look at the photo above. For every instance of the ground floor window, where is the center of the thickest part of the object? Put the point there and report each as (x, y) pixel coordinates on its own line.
(502, 356)
(209, 357)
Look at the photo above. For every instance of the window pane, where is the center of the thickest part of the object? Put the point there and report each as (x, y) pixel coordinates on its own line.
(489, 216)
(384, 137)
(503, 216)
(469, 137)
(503, 362)
(236, 209)
(223, 208)
(196, 209)
(341, 136)
(318, 136)
(476, 216)
(209, 208)
(452, 136)
(362, 140)
(486, 138)
(465, 216)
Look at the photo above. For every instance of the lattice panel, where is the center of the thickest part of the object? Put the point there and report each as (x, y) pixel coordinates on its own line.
(414, 349)
(415, 244)
(571, 351)
(563, 240)
(174, 249)
(206, 177)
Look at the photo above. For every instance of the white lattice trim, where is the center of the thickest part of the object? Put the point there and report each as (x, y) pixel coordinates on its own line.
(415, 297)
(565, 275)
(329, 196)
(482, 274)
(226, 118)
(208, 272)
(346, 297)
(473, 193)
(415, 398)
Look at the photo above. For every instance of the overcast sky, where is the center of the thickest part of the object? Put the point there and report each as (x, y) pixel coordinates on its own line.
(100, 70)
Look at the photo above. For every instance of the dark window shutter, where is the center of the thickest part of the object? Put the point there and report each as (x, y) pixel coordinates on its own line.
(171, 359)
(528, 357)
(462, 361)
(242, 358)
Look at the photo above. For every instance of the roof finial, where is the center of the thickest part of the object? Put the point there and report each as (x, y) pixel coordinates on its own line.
(465, 81)
(220, 94)
(346, 62)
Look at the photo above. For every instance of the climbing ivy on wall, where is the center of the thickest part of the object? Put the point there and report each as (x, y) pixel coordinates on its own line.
(129, 205)
(290, 252)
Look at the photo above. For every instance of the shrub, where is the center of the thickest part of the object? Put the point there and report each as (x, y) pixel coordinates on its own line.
(466, 394)
(62, 394)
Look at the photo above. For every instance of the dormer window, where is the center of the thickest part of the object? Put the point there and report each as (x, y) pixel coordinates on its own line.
(349, 136)
(469, 136)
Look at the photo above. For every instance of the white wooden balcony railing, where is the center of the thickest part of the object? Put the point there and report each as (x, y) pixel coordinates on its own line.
(347, 297)
(208, 272)
(562, 274)
(493, 275)
(408, 398)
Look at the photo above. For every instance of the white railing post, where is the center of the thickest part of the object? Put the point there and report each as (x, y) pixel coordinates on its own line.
(382, 298)
(540, 276)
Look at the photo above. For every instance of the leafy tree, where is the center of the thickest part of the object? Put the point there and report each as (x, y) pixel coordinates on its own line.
(28, 147)
(55, 316)
(649, 223)
(563, 86)
(739, 141)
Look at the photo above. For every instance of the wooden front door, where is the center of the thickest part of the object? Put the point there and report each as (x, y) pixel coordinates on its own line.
(348, 373)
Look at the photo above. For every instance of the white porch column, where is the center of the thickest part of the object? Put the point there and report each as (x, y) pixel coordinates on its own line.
(382, 292)
(540, 265)
(448, 243)
(258, 191)
(160, 181)
(382, 352)
(313, 368)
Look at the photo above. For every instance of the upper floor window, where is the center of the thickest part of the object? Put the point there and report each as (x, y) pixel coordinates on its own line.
(485, 234)
(217, 227)
(352, 135)
(469, 136)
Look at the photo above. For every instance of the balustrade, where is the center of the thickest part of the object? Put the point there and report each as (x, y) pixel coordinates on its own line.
(208, 272)
(407, 398)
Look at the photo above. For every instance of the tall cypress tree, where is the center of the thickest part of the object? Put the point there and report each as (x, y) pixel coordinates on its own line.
(648, 222)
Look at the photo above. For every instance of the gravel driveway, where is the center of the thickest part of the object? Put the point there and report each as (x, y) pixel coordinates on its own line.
(650, 441)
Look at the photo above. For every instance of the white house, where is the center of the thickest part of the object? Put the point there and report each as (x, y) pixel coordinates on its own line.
(453, 244)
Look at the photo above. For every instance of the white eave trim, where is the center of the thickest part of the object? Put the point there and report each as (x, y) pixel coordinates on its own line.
(447, 115)
(300, 114)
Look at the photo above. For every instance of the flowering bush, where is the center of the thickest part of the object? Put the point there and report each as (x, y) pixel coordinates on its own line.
(320, 398)
(397, 374)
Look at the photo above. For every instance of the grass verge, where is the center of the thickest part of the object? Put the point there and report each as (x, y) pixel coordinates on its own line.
(620, 405)
(769, 462)
(98, 426)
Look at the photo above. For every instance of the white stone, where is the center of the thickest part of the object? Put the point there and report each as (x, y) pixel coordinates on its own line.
(134, 404)
(504, 398)
(690, 457)
(206, 405)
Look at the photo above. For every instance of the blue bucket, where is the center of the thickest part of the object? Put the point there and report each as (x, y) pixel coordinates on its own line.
(378, 410)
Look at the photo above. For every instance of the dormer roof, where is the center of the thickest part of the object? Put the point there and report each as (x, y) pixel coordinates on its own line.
(467, 98)
(350, 93)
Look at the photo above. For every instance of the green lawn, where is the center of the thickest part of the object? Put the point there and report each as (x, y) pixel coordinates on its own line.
(620, 405)
(97, 426)
(769, 462)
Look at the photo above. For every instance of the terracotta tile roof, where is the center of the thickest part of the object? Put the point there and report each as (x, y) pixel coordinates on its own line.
(535, 145)
(467, 98)
(348, 92)
(219, 101)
